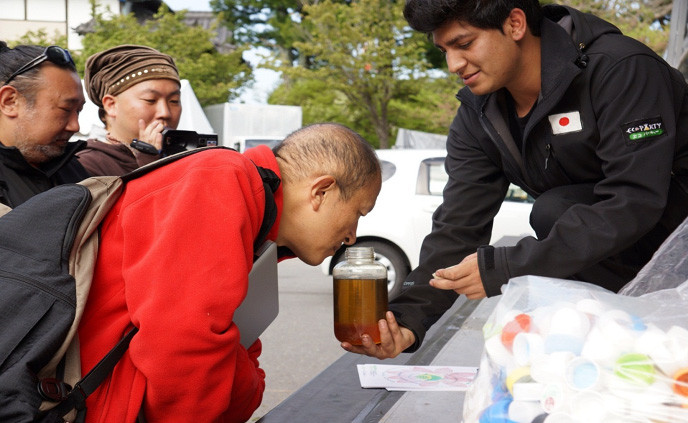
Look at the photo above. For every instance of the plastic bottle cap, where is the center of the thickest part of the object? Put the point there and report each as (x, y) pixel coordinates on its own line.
(582, 374)
(524, 411)
(519, 374)
(590, 306)
(520, 323)
(553, 398)
(616, 333)
(527, 347)
(556, 342)
(569, 321)
(636, 368)
(527, 391)
(550, 368)
(497, 352)
(681, 382)
(599, 348)
(588, 407)
(497, 412)
(560, 418)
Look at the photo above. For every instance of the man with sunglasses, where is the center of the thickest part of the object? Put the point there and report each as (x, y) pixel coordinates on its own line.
(40, 100)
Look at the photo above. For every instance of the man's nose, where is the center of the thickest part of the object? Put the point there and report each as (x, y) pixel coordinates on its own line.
(456, 62)
(351, 236)
(163, 110)
(73, 122)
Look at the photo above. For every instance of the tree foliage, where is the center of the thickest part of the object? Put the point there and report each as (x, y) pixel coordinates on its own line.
(215, 77)
(273, 24)
(361, 58)
(647, 21)
(40, 37)
(350, 61)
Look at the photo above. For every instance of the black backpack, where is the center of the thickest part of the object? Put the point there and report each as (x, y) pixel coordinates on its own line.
(48, 249)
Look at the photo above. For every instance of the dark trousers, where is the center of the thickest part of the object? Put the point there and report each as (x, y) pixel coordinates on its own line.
(615, 271)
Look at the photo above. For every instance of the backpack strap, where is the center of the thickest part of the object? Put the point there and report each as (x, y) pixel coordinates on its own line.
(271, 182)
(76, 399)
(137, 173)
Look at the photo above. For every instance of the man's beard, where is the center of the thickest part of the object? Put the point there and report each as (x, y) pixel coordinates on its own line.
(40, 153)
(36, 153)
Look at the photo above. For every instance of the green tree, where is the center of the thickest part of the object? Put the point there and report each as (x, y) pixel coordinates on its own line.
(362, 56)
(40, 37)
(274, 24)
(647, 21)
(214, 76)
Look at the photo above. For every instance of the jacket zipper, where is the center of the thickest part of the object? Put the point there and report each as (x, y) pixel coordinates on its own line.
(22, 279)
(550, 154)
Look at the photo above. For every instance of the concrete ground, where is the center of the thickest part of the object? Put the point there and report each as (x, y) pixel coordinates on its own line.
(300, 343)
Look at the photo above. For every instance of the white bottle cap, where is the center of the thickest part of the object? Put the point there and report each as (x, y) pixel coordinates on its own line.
(527, 347)
(550, 368)
(528, 391)
(583, 374)
(524, 411)
(560, 418)
(569, 321)
(497, 352)
(588, 407)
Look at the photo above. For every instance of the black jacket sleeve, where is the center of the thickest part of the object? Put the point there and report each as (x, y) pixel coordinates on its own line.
(472, 197)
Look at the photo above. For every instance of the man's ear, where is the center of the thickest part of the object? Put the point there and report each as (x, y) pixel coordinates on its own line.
(516, 25)
(321, 190)
(9, 101)
(109, 105)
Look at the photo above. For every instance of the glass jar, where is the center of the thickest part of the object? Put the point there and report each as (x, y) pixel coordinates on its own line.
(360, 295)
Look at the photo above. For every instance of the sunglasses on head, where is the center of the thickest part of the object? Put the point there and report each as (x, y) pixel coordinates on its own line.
(54, 54)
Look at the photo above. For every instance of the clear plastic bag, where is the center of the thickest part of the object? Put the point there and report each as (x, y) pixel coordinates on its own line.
(566, 351)
(668, 268)
(559, 351)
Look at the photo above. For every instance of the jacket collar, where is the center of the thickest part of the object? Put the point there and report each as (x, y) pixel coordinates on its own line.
(12, 158)
(263, 156)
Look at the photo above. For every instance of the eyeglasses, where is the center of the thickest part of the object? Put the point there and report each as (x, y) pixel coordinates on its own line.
(54, 54)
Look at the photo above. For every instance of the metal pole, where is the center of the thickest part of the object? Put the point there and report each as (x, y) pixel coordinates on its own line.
(677, 33)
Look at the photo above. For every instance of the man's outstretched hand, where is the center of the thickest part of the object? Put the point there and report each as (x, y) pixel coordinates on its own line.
(393, 340)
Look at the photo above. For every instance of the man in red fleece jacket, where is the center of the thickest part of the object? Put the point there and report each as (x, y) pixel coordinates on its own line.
(175, 254)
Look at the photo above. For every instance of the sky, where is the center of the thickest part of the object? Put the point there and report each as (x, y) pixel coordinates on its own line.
(195, 5)
(265, 79)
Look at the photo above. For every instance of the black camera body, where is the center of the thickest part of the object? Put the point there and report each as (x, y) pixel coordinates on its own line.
(175, 141)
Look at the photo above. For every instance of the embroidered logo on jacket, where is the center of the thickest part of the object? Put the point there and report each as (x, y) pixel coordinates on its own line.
(563, 123)
(645, 128)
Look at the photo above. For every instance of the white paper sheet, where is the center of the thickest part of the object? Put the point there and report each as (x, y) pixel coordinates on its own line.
(416, 378)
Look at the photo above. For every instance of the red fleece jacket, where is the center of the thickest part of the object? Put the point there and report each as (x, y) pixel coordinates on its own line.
(174, 260)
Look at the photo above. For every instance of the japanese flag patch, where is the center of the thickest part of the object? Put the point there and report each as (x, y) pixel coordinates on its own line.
(563, 123)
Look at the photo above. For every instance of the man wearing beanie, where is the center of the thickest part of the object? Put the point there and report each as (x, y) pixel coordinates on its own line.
(137, 90)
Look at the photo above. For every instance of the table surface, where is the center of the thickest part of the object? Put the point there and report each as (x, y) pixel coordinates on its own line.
(335, 395)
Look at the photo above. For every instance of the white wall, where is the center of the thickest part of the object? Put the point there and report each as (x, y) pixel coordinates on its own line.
(17, 17)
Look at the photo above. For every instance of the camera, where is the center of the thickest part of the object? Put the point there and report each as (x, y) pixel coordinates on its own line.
(175, 141)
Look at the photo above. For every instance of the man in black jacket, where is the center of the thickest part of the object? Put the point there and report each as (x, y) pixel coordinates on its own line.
(591, 123)
(40, 100)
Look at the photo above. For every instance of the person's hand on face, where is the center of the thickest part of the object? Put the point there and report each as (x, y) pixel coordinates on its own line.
(143, 111)
(151, 133)
(394, 339)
